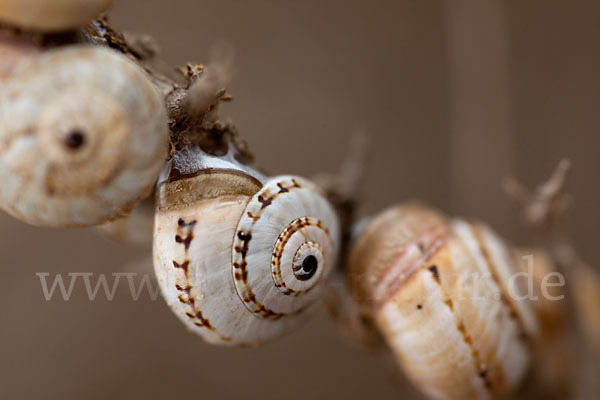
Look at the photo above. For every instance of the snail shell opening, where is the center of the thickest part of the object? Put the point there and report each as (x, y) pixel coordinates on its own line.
(83, 136)
(438, 290)
(242, 262)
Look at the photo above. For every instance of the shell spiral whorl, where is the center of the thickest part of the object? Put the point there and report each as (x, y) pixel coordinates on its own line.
(289, 217)
(239, 258)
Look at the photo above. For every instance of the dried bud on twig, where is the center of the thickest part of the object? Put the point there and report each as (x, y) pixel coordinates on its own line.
(208, 84)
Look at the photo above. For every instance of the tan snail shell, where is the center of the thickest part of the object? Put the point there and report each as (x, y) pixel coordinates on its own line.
(240, 258)
(587, 282)
(51, 15)
(437, 290)
(551, 312)
(550, 379)
(83, 137)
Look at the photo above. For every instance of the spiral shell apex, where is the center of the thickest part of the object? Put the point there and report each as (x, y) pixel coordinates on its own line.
(242, 262)
(51, 15)
(83, 137)
(440, 293)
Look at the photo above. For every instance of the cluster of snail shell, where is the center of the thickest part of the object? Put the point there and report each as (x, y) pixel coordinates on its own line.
(242, 258)
(84, 137)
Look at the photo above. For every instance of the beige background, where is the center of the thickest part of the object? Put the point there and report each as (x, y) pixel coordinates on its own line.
(454, 96)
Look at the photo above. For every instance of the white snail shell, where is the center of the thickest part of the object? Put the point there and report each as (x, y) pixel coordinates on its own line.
(437, 290)
(51, 15)
(239, 258)
(83, 137)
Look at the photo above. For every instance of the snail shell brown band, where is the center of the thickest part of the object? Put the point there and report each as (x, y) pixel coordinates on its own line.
(242, 266)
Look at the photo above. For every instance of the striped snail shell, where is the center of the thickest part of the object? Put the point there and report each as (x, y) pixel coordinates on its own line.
(83, 137)
(438, 292)
(241, 259)
(51, 15)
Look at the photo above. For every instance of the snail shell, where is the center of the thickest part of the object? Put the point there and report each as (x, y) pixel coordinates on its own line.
(51, 15)
(549, 379)
(552, 313)
(587, 298)
(83, 137)
(437, 290)
(241, 259)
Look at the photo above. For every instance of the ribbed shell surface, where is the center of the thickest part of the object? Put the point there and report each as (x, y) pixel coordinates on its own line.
(227, 261)
(445, 303)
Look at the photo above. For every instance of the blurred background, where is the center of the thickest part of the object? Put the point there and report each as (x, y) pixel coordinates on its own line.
(455, 96)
